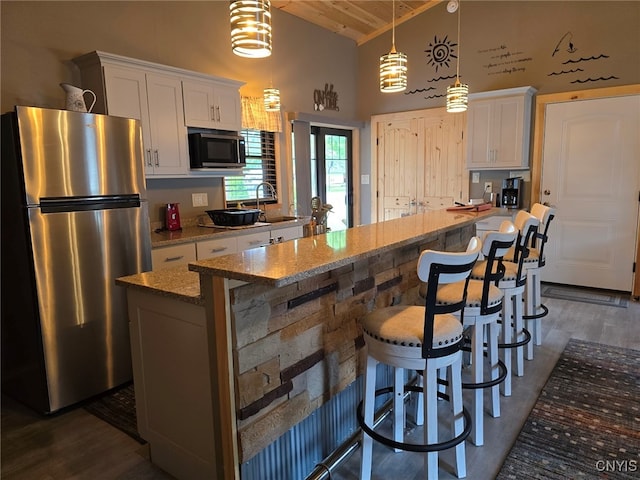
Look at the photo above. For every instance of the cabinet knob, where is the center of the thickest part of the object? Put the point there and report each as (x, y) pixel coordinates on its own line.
(149, 162)
(155, 152)
(213, 113)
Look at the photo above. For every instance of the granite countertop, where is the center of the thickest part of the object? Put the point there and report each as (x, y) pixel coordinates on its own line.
(194, 233)
(176, 282)
(288, 262)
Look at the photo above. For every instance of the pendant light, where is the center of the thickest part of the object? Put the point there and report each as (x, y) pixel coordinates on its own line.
(250, 28)
(272, 99)
(393, 65)
(458, 93)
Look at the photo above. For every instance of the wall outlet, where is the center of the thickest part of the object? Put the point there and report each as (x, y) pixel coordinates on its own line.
(488, 187)
(475, 177)
(364, 179)
(199, 199)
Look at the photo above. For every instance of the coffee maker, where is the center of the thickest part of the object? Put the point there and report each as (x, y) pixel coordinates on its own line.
(512, 189)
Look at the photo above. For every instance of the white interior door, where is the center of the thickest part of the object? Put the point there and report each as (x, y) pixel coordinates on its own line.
(591, 173)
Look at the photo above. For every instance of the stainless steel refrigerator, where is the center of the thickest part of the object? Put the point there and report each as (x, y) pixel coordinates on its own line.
(74, 218)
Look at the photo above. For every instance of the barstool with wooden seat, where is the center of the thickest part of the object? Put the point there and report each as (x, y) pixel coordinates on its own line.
(480, 316)
(426, 338)
(512, 285)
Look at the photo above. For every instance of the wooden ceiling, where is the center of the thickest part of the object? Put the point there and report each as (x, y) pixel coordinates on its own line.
(358, 20)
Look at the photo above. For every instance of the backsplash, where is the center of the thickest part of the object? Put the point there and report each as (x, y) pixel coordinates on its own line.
(163, 191)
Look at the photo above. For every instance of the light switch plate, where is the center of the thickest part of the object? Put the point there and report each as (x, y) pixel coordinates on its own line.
(475, 177)
(364, 179)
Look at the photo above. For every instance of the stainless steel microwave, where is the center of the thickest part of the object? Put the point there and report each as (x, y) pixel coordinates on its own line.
(207, 150)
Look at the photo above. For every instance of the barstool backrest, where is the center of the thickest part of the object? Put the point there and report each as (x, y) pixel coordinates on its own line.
(527, 226)
(544, 214)
(494, 247)
(438, 268)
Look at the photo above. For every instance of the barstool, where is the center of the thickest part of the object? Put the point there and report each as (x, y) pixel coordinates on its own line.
(512, 285)
(425, 338)
(480, 316)
(534, 309)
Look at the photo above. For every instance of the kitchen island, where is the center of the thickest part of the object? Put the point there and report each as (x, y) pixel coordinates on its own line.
(233, 353)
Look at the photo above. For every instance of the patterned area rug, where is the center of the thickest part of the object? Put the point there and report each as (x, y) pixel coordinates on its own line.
(586, 422)
(585, 295)
(118, 408)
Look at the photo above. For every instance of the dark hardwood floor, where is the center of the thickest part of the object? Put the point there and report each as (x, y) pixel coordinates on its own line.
(78, 445)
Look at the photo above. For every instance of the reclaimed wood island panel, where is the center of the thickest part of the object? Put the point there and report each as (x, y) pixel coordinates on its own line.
(233, 353)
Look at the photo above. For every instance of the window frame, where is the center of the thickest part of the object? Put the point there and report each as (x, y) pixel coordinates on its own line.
(268, 165)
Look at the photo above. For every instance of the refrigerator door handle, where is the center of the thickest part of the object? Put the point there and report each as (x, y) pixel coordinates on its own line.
(79, 204)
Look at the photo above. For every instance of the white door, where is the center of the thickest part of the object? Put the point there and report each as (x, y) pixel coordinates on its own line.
(591, 173)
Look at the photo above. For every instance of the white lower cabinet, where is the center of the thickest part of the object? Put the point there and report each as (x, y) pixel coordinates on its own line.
(253, 240)
(170, 374)
(286, 234)
(172, 256)
(165, 257)
(216, 248)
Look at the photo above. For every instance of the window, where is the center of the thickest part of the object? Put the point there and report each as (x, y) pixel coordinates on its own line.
(261, 167)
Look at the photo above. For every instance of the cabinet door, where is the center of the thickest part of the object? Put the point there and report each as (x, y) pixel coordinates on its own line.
(479, 126)
(126, 92)
(499, 132)
(168, 133)
(211, 105)
(227, 108)
(216, 248)
(508, 133)
(199, 108)
(253, 240)
(165, 257)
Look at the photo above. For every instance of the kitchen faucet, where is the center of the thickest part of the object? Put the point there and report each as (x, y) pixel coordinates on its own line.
(273, 194)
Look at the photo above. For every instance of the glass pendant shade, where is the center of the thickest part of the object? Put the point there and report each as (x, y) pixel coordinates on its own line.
(250, 28)
(457, 97)
(393, 71)
(272, 99)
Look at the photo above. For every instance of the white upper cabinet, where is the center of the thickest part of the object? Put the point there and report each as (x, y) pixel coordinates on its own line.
(154, 94)
(155, 100)
(499, 129)
(211, 105)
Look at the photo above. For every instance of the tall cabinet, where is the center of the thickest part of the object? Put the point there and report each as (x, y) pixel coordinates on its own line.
(499, 129)
(166, 100)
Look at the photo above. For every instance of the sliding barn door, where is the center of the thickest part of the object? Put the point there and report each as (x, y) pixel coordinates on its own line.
(420, 162)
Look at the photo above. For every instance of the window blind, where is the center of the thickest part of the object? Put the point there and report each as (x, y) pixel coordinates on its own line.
(261, 167)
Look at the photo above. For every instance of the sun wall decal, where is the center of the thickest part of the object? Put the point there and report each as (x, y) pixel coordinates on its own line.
(441, 52)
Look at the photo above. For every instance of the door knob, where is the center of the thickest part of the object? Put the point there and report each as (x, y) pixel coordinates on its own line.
(547, 192)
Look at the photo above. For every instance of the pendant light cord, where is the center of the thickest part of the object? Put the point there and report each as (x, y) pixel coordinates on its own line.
(459, 49)
(393, 26)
